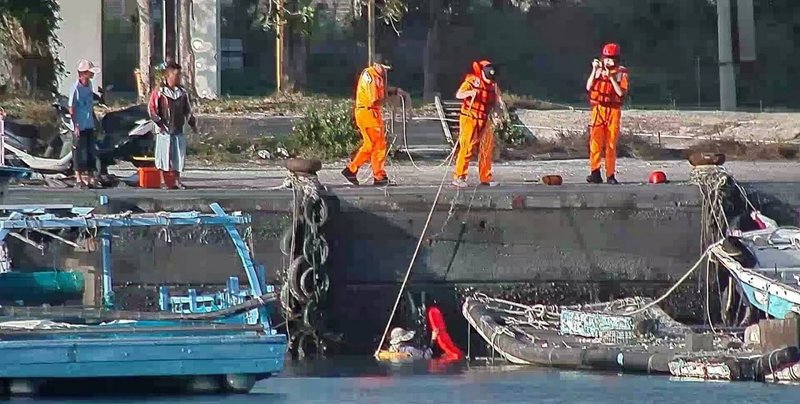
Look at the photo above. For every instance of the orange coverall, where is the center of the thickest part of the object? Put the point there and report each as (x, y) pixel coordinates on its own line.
(370, 93)
(475, 130)
(605, 119)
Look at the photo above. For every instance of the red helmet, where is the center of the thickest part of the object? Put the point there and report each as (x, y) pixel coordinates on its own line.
(658, 177)
(611, 50)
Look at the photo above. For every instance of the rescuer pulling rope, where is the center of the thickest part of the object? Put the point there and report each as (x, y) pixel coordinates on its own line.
(479, 95)
(371, 92)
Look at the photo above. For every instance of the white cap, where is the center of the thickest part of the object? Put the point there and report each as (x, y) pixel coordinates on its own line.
(87, 66)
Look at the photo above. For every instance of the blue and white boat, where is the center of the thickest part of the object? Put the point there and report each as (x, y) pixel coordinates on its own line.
(219, 343)
(766, 265)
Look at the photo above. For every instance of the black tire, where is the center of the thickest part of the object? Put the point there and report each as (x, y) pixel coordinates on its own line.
(308, 244)
(310, 166)
(294, 276)
(307, 283)
(238, 383)
(310, 208)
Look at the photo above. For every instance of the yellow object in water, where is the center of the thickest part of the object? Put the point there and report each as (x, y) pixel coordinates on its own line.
(384, 355)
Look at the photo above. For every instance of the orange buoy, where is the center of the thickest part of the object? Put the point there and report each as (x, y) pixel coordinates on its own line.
(552, 180)
(658, 177)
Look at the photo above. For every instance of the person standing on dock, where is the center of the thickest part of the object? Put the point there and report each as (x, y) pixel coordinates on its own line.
(479, 95)
(607, 86)
(371, 92)
(170, 109)
(81, 109)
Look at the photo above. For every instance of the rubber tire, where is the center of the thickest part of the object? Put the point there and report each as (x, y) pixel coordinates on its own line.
(287, 300)
(310, 166)
(295, 273)
(552, 180)
(304, 279)
(238, 383)
(323, 245)
(286, 242)
(706, 159)
(308, 209)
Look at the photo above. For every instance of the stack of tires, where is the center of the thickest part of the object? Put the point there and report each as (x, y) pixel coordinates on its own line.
(305, 282)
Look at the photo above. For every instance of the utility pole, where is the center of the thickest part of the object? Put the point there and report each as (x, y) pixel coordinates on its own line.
(143, 79)
(168, 44)
(279, 45)
(370, 32)
(727, 76)
(697, 79)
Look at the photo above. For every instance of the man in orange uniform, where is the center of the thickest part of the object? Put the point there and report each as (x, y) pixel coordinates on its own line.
(371, 91)
(479, 95)
(607, 86)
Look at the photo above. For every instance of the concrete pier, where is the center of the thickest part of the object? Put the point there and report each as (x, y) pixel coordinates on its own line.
(570, 244)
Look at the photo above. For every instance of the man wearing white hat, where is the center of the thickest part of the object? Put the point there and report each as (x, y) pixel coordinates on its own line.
(81, 109)
(400, 342)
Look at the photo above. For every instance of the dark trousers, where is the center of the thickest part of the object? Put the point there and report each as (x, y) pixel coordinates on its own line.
(84, 154)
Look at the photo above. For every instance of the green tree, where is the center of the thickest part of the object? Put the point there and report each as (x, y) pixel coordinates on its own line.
(27, 39)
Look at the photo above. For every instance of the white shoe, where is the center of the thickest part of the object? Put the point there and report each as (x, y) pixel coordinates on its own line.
(490, 184)
(460, 183)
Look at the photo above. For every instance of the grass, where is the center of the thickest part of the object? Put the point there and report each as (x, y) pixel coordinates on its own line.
(211, 149)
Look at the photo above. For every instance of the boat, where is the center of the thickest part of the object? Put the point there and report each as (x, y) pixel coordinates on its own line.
(766, 265)
(224, 342)
(631, 335)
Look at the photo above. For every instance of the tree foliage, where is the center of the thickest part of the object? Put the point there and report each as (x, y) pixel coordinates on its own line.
(28, 37)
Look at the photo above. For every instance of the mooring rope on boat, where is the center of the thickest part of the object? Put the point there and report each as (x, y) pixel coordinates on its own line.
(678, 283)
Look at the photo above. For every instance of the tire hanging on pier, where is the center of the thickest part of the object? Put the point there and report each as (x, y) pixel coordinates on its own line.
(306, 282)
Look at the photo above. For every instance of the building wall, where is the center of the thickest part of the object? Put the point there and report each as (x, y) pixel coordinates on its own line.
(81, 36)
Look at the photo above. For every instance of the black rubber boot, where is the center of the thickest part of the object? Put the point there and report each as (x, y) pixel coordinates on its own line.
(386, 182)
(594, 177)
(350, 176)
(612, 180)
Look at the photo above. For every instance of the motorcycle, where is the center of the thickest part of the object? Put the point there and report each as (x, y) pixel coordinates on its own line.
(118, 144)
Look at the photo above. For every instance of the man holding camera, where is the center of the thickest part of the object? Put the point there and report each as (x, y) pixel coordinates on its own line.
(607, 86)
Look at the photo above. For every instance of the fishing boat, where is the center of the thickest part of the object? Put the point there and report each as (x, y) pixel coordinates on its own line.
(766, 265)
(222, 342)
(628, 335)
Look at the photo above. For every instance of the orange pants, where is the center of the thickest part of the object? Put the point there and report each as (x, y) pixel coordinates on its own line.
(373, 149)
(475, 134)
(604, 133)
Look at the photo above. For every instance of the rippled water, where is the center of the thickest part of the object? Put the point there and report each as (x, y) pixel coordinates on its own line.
(364, 381)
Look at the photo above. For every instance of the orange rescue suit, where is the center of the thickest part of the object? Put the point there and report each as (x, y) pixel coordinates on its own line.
(370, 93)
(605, 119)
(475, 130)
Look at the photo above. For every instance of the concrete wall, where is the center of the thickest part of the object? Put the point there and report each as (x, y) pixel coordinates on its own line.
(81, 36)
(563, 245)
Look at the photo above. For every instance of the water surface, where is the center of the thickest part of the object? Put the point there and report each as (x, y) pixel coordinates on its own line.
(365, 381)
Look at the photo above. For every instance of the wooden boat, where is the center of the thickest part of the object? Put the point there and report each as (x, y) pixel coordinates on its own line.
(766, 265)
(627, 335)
(225, 347)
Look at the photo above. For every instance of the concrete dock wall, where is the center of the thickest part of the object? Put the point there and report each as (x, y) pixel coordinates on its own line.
(557, 245)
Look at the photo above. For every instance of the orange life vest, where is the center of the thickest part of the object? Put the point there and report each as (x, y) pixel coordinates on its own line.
(484, 100)
(370, 89)
(602, 91)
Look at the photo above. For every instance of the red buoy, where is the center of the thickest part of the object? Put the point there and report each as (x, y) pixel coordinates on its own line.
(658, 177)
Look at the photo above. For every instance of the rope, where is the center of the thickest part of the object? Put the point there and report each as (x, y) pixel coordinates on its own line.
(678, 283)
(416, 251)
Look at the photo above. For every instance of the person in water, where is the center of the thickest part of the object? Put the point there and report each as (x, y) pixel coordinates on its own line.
(400, 342)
